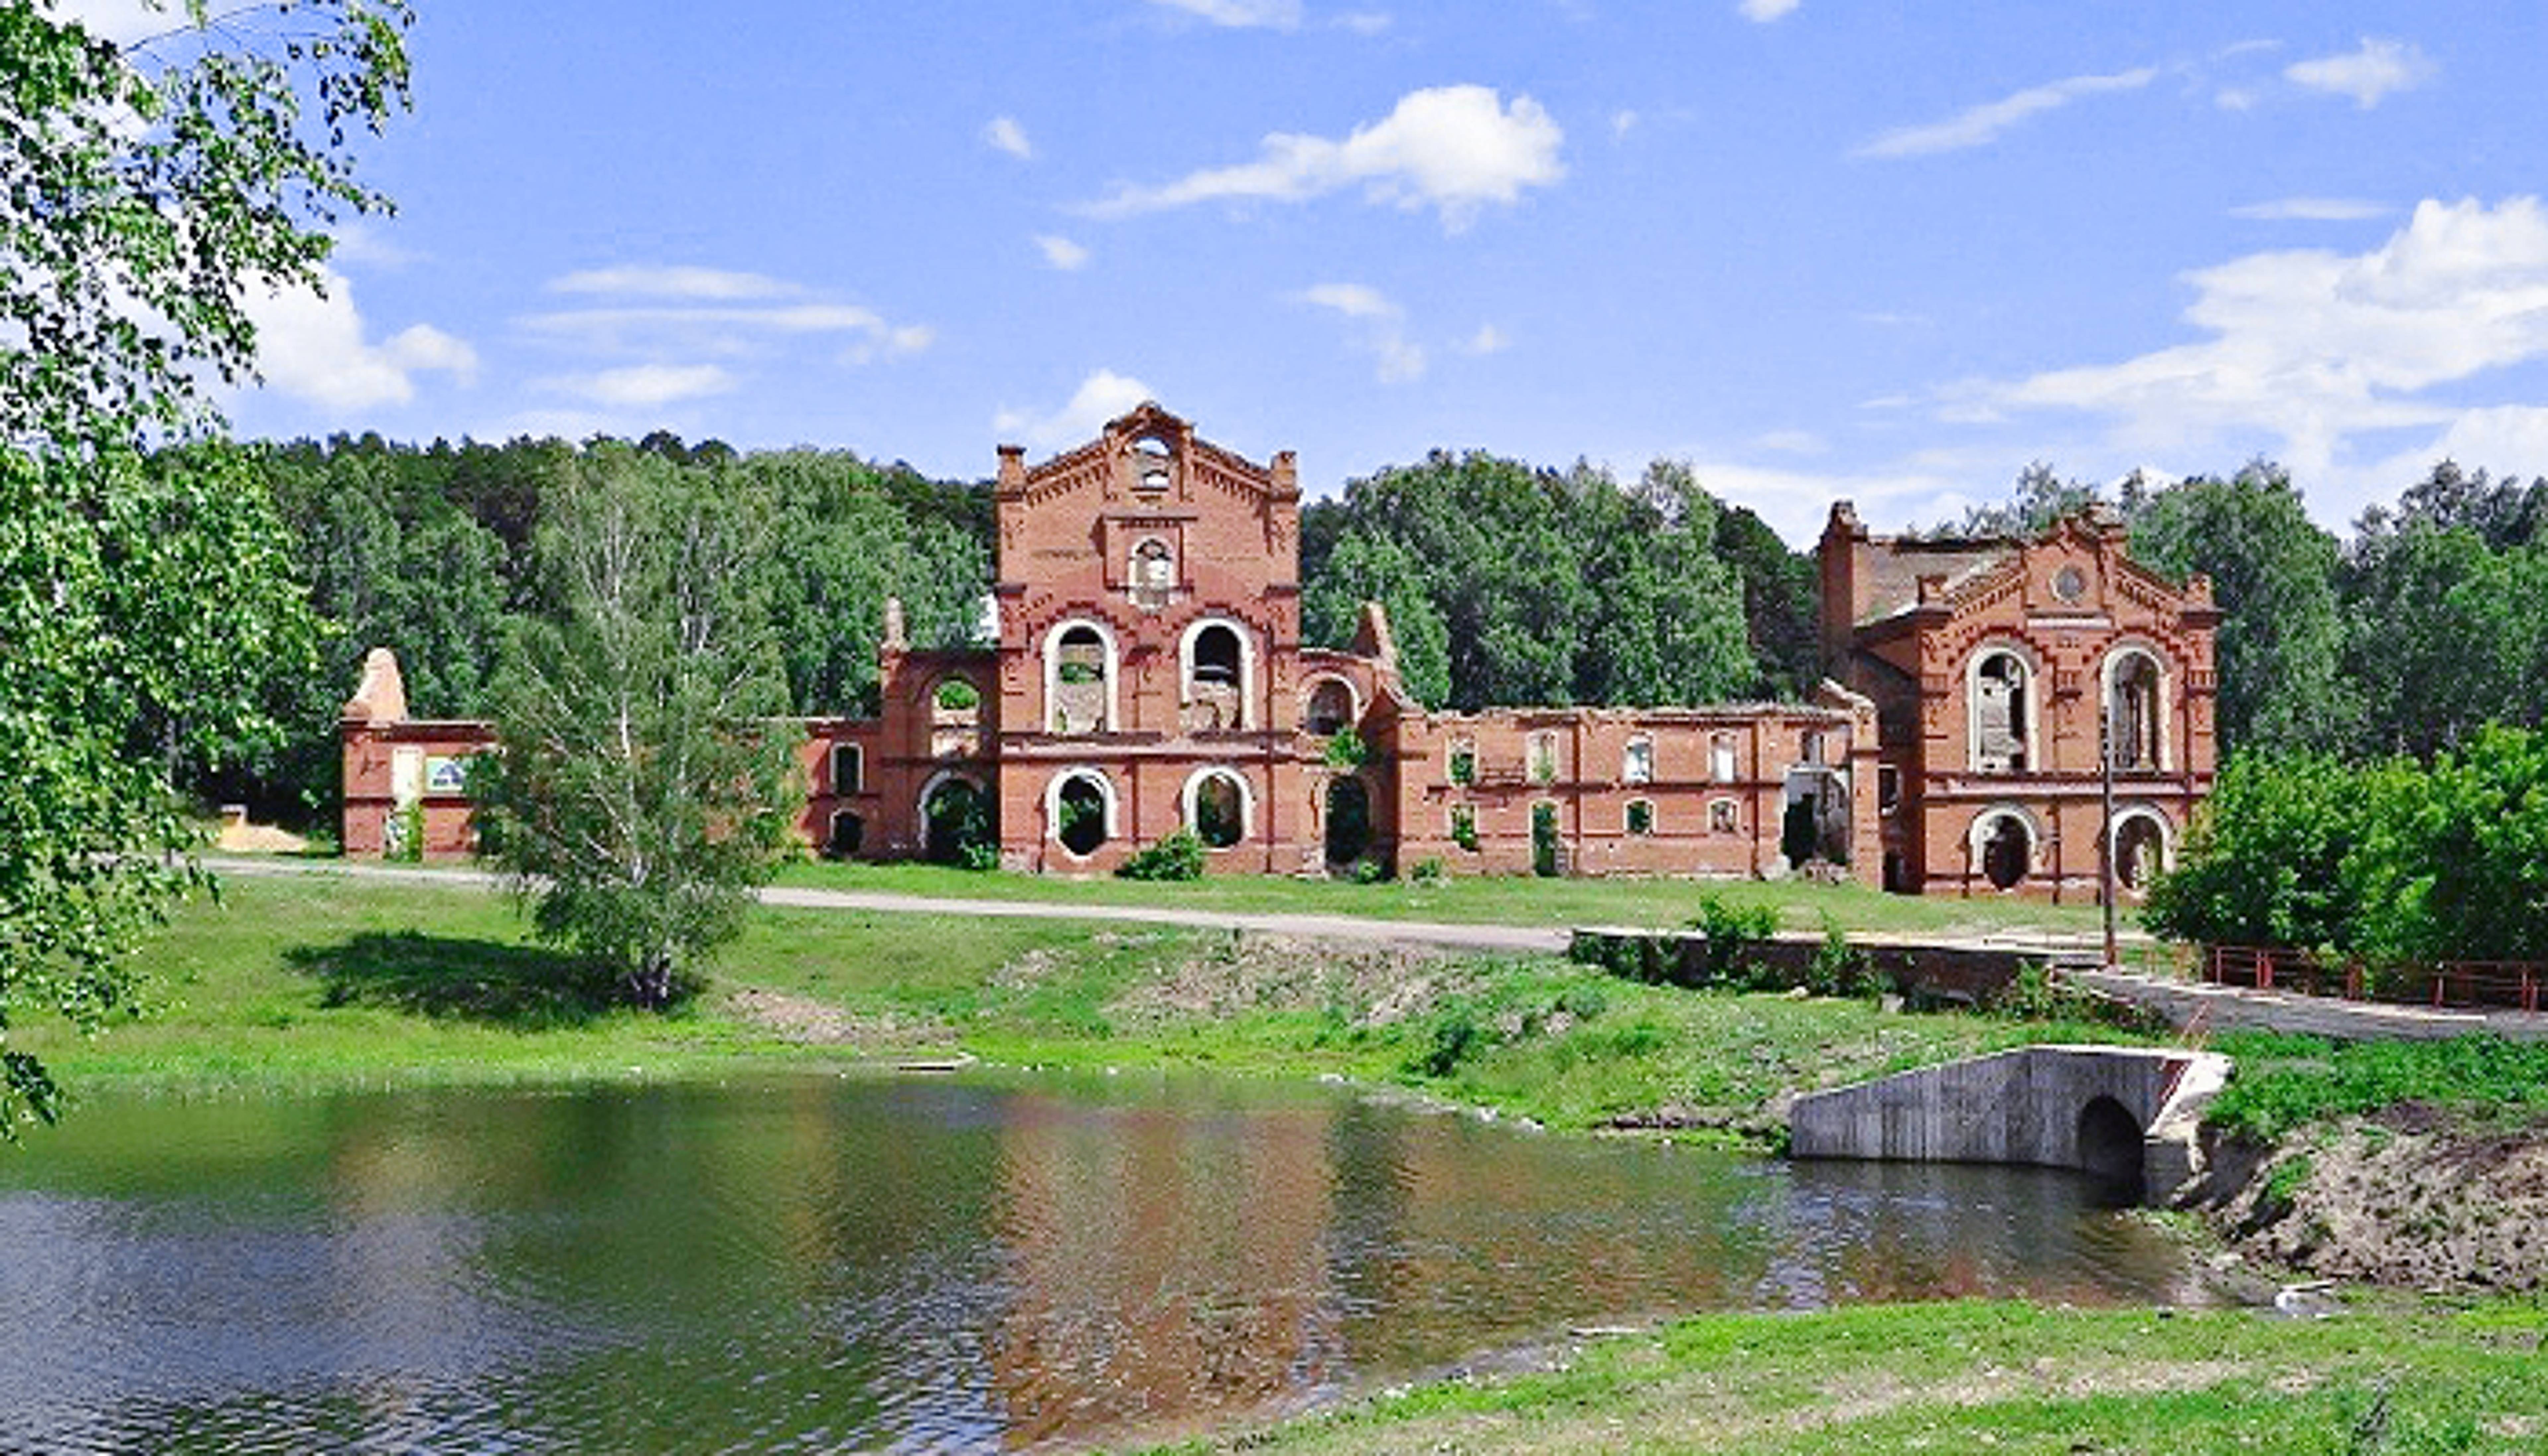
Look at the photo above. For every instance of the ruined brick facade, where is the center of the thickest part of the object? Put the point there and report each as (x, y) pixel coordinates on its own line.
(1146, 674)
(1994, 667)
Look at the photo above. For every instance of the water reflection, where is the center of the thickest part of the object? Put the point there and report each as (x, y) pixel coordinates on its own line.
(816, 1263)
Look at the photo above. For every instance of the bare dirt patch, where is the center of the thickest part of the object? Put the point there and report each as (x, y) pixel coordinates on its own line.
(821, 1023)
(2413, 1197)
(1369, 984)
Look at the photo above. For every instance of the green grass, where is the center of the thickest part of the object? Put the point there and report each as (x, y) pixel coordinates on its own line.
(1472, 900)
(1989, 1377)
(2288, 1082)
(335, 980)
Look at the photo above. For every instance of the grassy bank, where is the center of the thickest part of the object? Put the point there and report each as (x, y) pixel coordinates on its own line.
(325, 980)
(1988, 1377)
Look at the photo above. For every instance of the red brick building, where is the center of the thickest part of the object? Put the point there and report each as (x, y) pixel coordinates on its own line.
(1147, 675)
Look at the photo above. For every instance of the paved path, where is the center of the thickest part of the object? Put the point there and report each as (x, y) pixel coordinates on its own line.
(2244, 1008)
(1510, 938)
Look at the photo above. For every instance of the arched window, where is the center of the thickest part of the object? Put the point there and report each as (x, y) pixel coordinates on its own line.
(1152, 462)
(1724, 816)
(1079, 804)
(1154, 574)
(2003, 845)
(1637, 764)
(1217, 807)
(2002, 710)
(849, 769)
(1079, 678)
(1331, 707)
(1219, 671)
(2135, 727)
(1720, 757)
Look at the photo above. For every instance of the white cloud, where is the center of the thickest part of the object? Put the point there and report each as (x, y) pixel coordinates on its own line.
(2313, 210)
(1766, 11)
(1792, 443)
(648, 281)
(1383, 334)
(2318, 349)
(1797, 502)
(1983, 123)
(2377, 69)
(1365, 22)
(358, 241)
(1003, 133)
(1489, 339)
(1623, 122)
(1060, 253)
(1280, 15)
(312, 347)
(1353, 300)
(1101, 397)
(1454, 148)
(646, 385)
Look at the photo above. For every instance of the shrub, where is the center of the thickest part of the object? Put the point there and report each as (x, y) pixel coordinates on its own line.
(1428, 870)
(1370, 871)
(1179, 855)
(1457, 1036)
(1837, 967)
(1731, 933)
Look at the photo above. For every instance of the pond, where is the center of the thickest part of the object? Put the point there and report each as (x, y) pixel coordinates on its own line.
(817, 1262)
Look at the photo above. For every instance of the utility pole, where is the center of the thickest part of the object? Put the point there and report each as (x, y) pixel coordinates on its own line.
(2105, 831)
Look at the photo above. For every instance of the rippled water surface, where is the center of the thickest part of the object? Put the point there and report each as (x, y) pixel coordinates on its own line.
(815, 1263)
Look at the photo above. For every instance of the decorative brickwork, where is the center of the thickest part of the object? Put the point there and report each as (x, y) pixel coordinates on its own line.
(1147, 675)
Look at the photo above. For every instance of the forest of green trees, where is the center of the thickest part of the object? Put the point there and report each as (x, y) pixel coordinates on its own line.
(1506, 582)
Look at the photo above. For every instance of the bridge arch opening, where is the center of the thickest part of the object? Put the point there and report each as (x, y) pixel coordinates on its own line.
(2110, 1147)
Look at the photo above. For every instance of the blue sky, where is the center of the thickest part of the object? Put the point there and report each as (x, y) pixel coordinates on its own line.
(1819, 249)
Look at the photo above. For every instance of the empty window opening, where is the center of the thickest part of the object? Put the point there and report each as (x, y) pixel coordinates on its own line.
(2008, 852)
(1637, 765)
(1330, 709)
(1220, 811)
(1999, 714)
(1151, 462)
(1214, 699)
(1641, 816)
(1809, 745)
(1463, 763)
(1724, 816)
(1545, 857)
(849, 769)
(1154, 574)
(1889, 788)
(1080, 815)
(1720, 758)
(1464, 826)
(1080, 667)
(848, 833)
(2132, 715)
(1543, 757)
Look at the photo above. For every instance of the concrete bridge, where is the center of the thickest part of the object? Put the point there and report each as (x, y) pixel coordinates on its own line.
(2125, 1113)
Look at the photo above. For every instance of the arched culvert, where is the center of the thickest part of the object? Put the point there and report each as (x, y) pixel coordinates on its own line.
(2110, 1147)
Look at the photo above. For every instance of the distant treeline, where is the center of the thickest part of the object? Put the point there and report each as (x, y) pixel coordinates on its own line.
(1505, 584)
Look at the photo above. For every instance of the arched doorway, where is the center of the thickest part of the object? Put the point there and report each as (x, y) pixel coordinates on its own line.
(2008, 852)
(957, 818)
(2140, 851)
(2110, 1147)
(1348, 820)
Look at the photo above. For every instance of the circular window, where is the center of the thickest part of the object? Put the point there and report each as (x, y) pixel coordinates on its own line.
(2069, 583)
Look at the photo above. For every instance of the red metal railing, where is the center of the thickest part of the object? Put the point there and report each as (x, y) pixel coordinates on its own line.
(2481, 984)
